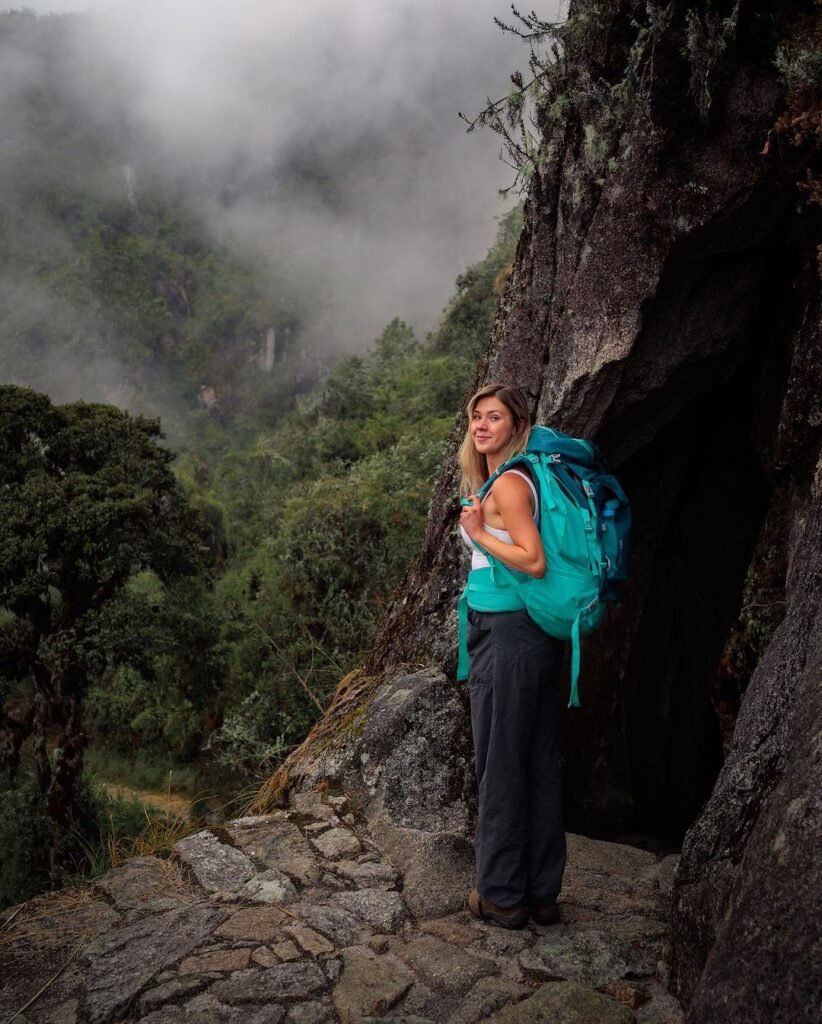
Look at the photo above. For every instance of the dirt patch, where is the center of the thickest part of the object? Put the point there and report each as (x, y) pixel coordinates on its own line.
(167, 803)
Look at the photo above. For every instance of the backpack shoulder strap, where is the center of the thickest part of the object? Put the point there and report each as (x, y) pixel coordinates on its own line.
(528, 459)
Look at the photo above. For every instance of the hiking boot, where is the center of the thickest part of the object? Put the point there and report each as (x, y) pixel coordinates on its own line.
(544, 911)
(505, 917)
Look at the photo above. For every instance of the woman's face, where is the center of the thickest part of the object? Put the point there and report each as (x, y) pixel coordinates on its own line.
(492, 426)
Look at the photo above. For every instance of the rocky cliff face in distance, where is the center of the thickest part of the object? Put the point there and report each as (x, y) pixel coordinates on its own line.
(664, 302)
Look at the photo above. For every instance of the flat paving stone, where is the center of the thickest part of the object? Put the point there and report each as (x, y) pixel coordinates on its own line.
(285, 982)
(505, 942)
(265, 957)
(122, 963)
(66, 1013)
(421, 1001)
(453, 931)
(487, 997)
(336, 843)
(271, 886)
(280, 844)
(333, 882)
(262, 924)
(143, 883)
(216, 960)
(368, 874)
(316, 827)
(407, 1019)
(309, 940)
(369, 985)
(440, 966)
(207, 1009)
(285, 951)
(312, 1012)
(171, 992)
(335, 923)
(590, 955)
(384, 910)
(217, 866)
(566, 1002)
(166, 1015)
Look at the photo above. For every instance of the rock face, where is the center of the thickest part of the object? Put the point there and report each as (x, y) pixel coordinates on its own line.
(341, 952)
(664, 302)
(749, 875)
(403, 756)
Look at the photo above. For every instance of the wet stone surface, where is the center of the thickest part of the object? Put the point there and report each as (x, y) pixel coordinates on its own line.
(309, 939)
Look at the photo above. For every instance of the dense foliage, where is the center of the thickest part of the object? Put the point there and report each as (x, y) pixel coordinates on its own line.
(310, 528)
(321, 516)
(87, 501)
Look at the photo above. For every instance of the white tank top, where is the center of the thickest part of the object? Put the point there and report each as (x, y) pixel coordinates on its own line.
(478, 558)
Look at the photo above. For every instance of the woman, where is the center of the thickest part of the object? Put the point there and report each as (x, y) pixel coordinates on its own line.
(514, 667)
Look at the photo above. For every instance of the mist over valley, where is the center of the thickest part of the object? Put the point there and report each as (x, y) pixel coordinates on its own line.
(204, 207)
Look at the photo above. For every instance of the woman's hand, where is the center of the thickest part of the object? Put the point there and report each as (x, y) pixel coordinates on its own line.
(472, 519)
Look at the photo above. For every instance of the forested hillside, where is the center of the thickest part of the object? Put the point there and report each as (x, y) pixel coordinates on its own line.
(313, 480)
(199, 269)
(113, 285)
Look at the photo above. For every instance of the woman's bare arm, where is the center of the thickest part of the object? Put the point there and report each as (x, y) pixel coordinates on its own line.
(513, 500)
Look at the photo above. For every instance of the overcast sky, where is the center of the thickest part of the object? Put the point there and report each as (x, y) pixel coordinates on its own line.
(232, 90)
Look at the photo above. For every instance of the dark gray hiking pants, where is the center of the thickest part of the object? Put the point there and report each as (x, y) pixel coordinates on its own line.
(520, 841)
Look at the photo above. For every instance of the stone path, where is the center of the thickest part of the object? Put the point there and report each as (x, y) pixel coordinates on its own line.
(298, 917)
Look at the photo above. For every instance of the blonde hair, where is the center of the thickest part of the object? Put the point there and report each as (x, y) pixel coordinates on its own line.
(473, 465)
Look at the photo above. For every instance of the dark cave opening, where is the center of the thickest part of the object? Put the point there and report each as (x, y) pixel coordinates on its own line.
(643, 756)
(674, 745)
(700, 497)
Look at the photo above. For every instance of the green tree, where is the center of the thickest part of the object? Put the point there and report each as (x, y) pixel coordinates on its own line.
(87, 500)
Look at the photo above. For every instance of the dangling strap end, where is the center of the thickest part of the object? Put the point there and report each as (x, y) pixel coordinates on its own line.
(575, 660)
(463, 664)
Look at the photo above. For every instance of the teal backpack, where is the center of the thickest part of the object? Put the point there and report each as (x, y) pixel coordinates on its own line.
(584, 524)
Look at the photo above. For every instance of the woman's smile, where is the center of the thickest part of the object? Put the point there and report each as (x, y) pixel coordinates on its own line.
(492, 425)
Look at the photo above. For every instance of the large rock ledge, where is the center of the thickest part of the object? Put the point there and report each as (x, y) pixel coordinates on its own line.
(332, 926)
(403, 757)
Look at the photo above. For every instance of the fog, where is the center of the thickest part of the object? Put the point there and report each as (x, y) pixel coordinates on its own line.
(223, 97)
